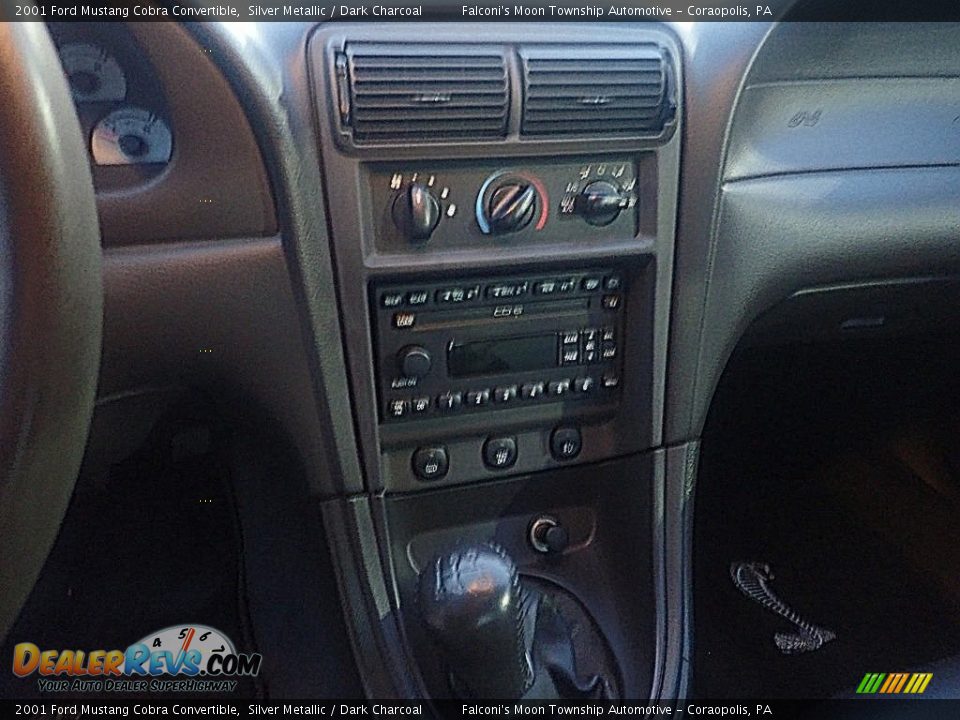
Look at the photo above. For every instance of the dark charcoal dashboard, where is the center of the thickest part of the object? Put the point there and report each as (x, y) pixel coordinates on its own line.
(501, 213)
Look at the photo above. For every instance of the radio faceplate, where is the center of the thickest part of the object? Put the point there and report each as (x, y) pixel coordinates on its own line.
(485, 344)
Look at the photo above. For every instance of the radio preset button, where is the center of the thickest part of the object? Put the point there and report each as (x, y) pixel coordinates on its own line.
(420, 405)
(431, 463)
(500, 453)
(612, 282)
(398, 408)
(565, 443)
(591, 283)
(570, 337)
(609, 334)
(568, 285)
(449, 401)
(531, 391)
(505, 394)
(583, 384)
(558, 387)
(418, 297)
(391, 299)
(476, 398)
(609, 350)
(610, 380)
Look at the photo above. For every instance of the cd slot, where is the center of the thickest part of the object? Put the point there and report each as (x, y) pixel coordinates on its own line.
(441, 319)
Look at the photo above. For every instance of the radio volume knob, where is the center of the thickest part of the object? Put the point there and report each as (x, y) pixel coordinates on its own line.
(414, 361)
(416, 212)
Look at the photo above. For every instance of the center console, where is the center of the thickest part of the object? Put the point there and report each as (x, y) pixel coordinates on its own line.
(501, 205)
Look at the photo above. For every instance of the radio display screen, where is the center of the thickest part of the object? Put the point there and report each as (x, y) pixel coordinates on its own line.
(496, 357)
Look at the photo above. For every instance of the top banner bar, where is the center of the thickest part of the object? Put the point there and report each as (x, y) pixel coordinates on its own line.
(476, 10)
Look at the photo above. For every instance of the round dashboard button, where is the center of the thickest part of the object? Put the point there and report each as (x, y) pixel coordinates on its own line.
(431, 463)
(565, 443)
(500, 453)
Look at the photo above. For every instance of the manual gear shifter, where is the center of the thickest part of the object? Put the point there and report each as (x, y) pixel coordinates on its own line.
(503, 638)
(473, 604)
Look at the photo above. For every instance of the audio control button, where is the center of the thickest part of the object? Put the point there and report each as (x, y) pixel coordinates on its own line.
(584, 384)
(430, 463)
(477, 398)
(569, 355)
(569, 337)
(611, 302)
(568, 285)
(456, 295)
(418, 297)
(531, 391)
(558, 387)
(391, 299)
(398, 408)
(505, 394)
(609, 350)
(420, 405)
(449, 401)
(612, 282)
(500, 453)
(546, 287)
(608, 333)
(402, 320)
(591, 283)
(610, 380)
(507, 291)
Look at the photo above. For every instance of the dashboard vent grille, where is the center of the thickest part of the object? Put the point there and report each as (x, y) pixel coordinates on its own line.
(407, 92)
(595, 90)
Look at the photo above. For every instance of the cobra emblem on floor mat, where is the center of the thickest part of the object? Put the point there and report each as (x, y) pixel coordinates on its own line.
(753, 580)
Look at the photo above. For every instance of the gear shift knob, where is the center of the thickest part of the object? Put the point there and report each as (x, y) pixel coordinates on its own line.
(472, 603)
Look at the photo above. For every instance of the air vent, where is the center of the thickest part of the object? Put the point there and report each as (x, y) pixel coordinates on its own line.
(594, 91)
(407, 92)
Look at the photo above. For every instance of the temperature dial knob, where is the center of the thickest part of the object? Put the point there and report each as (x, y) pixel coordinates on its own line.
(414, 361)
(600, 202)
(416, 212)
(511, 207)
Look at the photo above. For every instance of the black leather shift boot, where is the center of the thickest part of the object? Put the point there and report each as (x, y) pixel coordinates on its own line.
(506, 638)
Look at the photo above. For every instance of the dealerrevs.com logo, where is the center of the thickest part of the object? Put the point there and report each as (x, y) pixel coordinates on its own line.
(180, 658)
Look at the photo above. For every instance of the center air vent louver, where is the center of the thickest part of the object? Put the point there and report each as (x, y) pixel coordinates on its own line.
(404, 92)
(595, 90)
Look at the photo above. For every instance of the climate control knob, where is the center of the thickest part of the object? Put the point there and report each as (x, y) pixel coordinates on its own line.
(600, 202)
(416, 212)
(511, 207)
(414, 361)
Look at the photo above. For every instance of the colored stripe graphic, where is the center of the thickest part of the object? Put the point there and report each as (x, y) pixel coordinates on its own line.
(894, 683)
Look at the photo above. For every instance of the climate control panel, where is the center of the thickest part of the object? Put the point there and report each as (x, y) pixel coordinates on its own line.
(425, 207)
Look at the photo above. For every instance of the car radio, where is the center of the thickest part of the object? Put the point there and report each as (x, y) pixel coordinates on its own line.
(485, 344)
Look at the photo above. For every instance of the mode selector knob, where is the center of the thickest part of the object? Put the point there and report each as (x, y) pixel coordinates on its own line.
(511, 207)
(416, 212)
(600, 202)
(414, 361)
